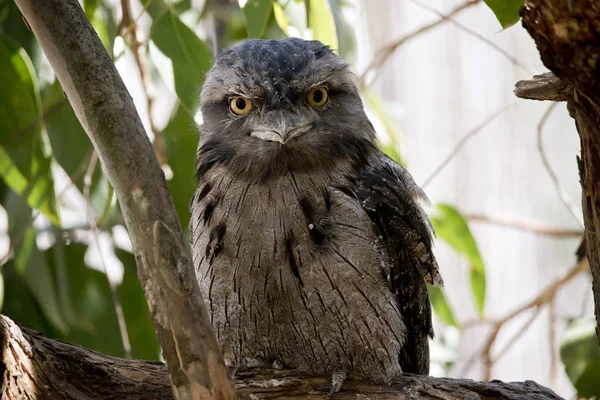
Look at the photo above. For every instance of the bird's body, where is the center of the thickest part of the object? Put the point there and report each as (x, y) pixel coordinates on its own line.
(309, 244)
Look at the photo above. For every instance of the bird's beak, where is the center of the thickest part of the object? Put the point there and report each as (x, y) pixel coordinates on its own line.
(281, 126)
(281, 135)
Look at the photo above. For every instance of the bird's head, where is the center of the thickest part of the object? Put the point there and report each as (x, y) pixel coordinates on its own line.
(269, 106)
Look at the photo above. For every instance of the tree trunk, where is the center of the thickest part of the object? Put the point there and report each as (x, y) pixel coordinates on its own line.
(34, 367)
(164, 263)
(567, 35)
(39, 368)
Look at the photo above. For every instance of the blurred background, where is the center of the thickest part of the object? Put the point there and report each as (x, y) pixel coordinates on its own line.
(436, 77)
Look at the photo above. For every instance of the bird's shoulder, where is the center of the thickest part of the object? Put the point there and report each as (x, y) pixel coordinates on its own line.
(394, 203)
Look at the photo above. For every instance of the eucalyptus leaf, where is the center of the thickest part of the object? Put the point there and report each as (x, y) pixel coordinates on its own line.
(89, 294)
(144, 343)
(282, 20)
(23, 165)
(452, 227)
(257, 14)
(322, 23)
(440, 304)
(506, 11)
(32, 266)
(190, 57)
(580, 354)
(181, 138)
(20, 305)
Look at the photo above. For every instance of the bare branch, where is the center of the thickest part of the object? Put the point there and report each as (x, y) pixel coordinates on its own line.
(543, 87)
(464, 140)
(108, 115)
(54, 370)
(562, 194)
(384, 53)
(91, 219)
(512, 59)
(526, 225)
(128, 26)
(543, 298)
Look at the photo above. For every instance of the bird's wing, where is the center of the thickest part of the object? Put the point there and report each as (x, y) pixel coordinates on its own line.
(391, 198)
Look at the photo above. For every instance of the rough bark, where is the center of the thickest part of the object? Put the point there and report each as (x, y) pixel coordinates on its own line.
(107, 113)
(567, 35)
(41, 368)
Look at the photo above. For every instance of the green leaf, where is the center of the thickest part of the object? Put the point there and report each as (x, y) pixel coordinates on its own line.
(376, 104)
(144, 343)
(190, 57)
(32, 266)
(181, 139)
(19, 112)
(437, 297)
(71, 146)
(450, 225)
(58, 257)
(580, 354)
(507, 11)
(282, 20)
(89, 293)
(19, 217)
(90, 8)
(105, 25)
(23, 165)
(257, 14)
(20, 305)
(291, 14)
(322, 23)
(12, 25)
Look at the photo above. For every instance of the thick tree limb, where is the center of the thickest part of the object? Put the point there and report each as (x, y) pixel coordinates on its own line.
(39, 368)
(107, 113)
(567, 35)
(543, 87)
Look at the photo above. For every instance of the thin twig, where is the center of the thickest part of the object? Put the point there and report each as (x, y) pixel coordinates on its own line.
(541, 300)
(487, 375)
(562, 194)
(512, 59)
(12, 138)
(17, 240)
(129, 27)
(94, 229)
(384, 53)
(464, 140)
(79, 172)
(526, 225)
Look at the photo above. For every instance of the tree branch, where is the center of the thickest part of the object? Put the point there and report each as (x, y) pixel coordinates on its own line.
(385, 52)
(36, 367)
(526, 225)
(566, 35)
(107, 113)
(543, 87)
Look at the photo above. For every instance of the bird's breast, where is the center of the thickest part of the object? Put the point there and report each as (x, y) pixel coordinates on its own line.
(290, 265)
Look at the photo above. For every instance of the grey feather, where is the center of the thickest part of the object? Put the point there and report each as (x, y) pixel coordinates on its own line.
(314, 252)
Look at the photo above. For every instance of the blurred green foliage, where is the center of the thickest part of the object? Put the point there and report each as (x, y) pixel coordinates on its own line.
(506, 11)
(580, 354)
(52, 181)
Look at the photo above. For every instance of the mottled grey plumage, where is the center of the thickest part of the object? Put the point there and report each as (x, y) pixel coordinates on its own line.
(309, 243)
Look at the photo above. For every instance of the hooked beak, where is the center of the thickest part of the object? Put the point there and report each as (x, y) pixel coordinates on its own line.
(280, 135)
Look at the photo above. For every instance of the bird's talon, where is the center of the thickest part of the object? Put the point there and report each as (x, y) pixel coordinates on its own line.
(249, 362)
(337, 380)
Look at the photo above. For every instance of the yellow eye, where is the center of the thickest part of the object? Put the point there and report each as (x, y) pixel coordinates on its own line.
(240, 105)
(317, 97)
